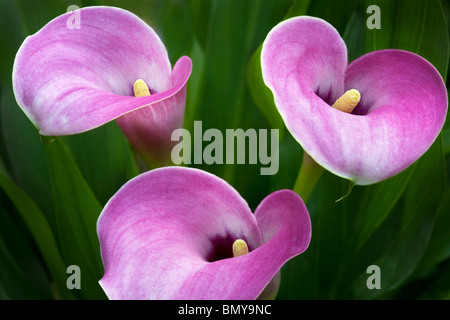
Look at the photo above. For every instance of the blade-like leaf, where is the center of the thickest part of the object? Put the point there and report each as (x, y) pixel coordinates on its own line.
(22, 275)
(41, 232)
(233, 31)
(261, 94)
(76, 210)
(105, 159)
(415, 224)
(20, 145)
(438, 249)
(412, 25)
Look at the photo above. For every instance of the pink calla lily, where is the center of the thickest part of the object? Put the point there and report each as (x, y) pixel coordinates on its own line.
(168, 234)
(69, 81)
(402, 109)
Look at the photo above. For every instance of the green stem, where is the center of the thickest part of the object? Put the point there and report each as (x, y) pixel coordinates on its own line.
(146, 163)
(308, 176)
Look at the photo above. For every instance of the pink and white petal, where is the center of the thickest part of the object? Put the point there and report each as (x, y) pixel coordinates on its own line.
(403, 106)
(149, 129)
(286, 227)
(69, 81)
(402, 110)
(303, 62)
(161, 228)
(283, 215)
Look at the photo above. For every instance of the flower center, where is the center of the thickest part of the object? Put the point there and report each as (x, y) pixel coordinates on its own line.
(239, 248)
(348, 101)
(226, 247)
(140, 88)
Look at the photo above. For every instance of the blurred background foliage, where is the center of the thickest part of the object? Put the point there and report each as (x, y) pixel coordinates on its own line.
(52, 192)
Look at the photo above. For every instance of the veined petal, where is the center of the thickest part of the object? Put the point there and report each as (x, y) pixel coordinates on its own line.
(292, 226)
(149, 129)
(68, 81)
(303, 62)
(162, 236)
(285, 225)
(402, 109)
(159, 229)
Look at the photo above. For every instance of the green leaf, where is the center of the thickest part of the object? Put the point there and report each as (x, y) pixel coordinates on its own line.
(40, 230)
(77, 211)
(261, 94)
(12, 33)
(413, 25)
(105, 159)
(33, 219)
(22, 275)
(314, 274)
(32, 19)
(193, 95)
(20, 145)
(337, 12)
(298, 8)
(24, 153)
(415, 222)
(372, 214)
(234, 30)
(438, 248)
(439, 286)
(446, 140)
(176, 21)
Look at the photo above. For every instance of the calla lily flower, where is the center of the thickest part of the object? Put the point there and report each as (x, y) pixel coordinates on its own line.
(70, 80)
(401, 110)
(182, 233)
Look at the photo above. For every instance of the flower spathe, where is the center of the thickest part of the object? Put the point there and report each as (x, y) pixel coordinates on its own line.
(170, 232)
(401, 112)
(69, 81)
